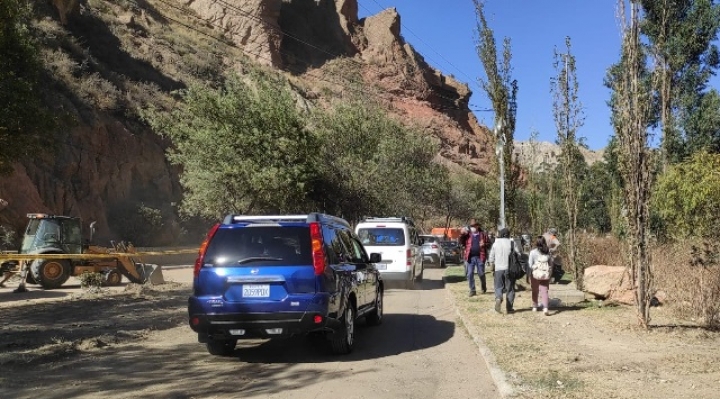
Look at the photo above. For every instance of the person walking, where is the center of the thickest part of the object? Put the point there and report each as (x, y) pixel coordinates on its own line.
(540, 273)
(474, 255)
(464, 234)
(503, 282)
(553, 243)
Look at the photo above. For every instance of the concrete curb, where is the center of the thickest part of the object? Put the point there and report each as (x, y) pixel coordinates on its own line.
(498, 376)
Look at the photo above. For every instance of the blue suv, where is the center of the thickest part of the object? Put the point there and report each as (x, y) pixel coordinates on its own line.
(276, 276)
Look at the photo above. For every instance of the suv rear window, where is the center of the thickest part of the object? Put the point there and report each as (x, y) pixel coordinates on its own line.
(252, 246)
(381, 236)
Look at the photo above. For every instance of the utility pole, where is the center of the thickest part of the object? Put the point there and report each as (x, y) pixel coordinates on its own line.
(500, 152)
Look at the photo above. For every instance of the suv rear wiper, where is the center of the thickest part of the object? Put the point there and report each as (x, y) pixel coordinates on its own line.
(254, 258)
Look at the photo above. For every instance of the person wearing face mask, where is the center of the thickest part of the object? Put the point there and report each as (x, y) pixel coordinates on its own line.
(475, 252)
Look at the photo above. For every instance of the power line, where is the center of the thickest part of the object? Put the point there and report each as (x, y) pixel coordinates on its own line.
(305, 61)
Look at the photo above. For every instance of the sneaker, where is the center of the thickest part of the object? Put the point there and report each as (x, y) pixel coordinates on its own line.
(546, 312)
(510, 311)
(497, 305)
(471, 294)
(534, 308)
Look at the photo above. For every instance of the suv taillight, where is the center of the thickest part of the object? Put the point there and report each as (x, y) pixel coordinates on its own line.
(318, 254)
(408, 263)
(203, 248)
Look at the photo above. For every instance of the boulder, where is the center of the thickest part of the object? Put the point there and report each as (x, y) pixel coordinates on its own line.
(609, 282)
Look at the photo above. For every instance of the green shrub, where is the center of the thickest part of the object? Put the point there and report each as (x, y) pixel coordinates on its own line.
(91, 281)
(687, 197)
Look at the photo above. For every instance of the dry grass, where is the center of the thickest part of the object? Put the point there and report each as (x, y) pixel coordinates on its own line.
(593, 352)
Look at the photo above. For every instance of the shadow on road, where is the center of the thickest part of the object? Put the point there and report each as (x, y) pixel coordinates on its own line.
(7, 294)
(399, 333)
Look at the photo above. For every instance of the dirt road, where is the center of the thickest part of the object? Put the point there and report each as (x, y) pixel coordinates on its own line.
(137, 345)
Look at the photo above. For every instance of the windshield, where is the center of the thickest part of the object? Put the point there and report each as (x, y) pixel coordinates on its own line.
(252, 246)
(381, 236)
(429, 239)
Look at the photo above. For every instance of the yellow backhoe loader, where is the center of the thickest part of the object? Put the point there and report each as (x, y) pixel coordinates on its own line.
(59, 242)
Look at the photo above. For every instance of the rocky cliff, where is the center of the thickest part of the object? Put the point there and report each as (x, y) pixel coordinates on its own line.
(107, 60)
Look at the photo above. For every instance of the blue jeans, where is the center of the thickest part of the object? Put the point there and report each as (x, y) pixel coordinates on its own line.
(475, 264)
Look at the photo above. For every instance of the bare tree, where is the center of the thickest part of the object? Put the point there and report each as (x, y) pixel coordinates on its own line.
(631, 114)
(502, 90)
(568, 114)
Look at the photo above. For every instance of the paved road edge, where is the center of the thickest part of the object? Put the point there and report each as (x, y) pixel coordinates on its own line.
(498, 376)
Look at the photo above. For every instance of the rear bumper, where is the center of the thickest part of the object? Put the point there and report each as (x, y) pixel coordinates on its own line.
(257, 325)
(396, 276)
(432, 258)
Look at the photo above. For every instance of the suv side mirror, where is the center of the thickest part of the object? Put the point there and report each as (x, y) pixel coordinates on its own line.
(375, 258)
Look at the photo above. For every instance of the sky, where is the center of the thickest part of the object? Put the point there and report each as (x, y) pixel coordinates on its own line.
(444, 32)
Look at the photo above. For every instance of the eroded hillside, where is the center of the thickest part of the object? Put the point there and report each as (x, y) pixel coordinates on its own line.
(106, 61)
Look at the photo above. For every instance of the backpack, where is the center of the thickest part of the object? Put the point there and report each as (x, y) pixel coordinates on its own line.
(541, 268)
(516, 271)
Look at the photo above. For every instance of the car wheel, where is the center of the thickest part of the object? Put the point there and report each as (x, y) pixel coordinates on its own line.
(443, 264)
(375, 317)
(422, 272)
(221, 347)
(342, 341)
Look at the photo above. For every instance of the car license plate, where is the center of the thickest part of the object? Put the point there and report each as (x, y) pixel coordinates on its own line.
(381, 266)
(256, 291)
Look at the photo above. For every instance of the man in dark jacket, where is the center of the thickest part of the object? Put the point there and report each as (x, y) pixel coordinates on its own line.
(476, 243)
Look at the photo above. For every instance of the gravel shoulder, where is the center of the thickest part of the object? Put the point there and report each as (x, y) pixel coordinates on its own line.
(590, 351)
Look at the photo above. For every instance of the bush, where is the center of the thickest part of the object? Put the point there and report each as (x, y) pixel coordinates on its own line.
(688, 272)
(91, 281)
(687, 197)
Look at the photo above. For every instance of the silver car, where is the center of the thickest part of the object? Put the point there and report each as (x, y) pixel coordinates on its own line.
(433, 251)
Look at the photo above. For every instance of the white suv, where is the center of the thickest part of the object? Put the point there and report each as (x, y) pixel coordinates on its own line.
(398, 242)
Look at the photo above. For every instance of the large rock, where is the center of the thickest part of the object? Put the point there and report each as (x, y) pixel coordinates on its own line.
(251, 24)
(609, 282)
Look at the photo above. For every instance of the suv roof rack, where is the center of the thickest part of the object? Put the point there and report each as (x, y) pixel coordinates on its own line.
(264, 219)
(402, 219)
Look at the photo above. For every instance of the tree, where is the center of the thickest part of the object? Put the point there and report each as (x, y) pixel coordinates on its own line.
(24, 120)
(243, 147)
(568, 115)
(370, 164)
(631, 107)
(689, 207)
(502, 90)
(681, 35)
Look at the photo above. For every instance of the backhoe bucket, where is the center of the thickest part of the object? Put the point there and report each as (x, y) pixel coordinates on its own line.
(140, 273)
(151, 272)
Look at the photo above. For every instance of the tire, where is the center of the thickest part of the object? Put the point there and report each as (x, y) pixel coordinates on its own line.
(112, 278)
(221, 348)
(375, 317)
(419, 278)
(343, 341)
(50, 273)
(443, 264)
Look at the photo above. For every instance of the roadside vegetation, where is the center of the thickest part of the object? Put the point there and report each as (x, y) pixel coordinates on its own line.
(255, 140)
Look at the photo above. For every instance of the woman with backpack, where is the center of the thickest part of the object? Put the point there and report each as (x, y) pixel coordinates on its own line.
(540, 273)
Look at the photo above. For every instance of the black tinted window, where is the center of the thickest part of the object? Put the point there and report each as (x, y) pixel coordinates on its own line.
(381, 236)
(250, 246)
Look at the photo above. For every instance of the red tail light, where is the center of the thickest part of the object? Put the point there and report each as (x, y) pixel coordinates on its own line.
(408, 263)
(203, 248)
(434, 246)
(318, 253)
